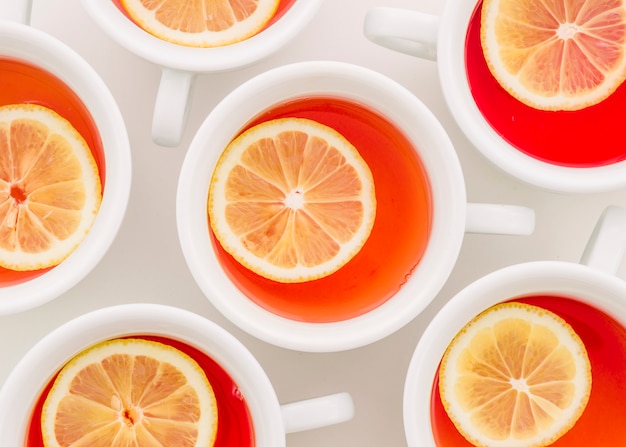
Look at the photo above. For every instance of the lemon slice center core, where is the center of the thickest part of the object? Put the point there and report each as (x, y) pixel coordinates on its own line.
(18, 194)
(295, 200)
(568, 30)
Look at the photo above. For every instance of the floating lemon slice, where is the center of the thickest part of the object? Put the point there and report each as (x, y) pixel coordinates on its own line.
(203, 23)
(130, 392)
(516, 376)
(50, 189)
(292, 200)
(556, 54)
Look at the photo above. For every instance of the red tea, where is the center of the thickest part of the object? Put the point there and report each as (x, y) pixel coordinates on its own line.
(283, 6)
(396, 242)
(604, 419)
(235, 427)
(21, 83)
(585, 138)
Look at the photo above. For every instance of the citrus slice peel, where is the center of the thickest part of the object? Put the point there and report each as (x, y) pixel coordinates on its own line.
(555, 54)
(202, 23)
(515, 376)
(292, 200)
(130, 392)
(50, 189)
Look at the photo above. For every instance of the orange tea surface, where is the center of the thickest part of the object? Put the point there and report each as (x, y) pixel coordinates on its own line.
(235, 427)
(603, 420)
(397, 240)
(22, 82)
(589, 137)
(283, 6)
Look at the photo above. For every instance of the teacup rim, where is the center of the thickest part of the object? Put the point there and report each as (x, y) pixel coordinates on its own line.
(201, 60)
(84, 81)
(560, 278)
(448, 229)
(28, 378)
(454, 21)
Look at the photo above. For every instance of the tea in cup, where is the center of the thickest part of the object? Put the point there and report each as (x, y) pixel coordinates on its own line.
(65, 176)
(566, 142)
(384, 184)
(560, 328)
(209, 366)
(181, 62)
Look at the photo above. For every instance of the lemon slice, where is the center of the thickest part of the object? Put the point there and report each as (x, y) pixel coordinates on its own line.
(292, 200)
(50, 189)
(516, 376)
(556, 54)
(205, 23)
(130, 392)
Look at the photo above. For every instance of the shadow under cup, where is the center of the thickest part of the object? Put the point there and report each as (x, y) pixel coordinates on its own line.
(590, 137)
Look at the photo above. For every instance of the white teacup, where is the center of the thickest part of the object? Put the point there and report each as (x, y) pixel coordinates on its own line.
(270, 420)
(444, 39)
(181, 64)
(452, 216)
(593, 281)
(20, 42)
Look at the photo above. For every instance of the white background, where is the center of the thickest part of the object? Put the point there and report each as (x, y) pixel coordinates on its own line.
(145, 264)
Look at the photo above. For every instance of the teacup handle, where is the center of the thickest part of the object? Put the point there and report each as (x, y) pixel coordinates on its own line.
(411, 32)
(607, 244)
(317, 412)
(16, 10)
(490, 218)
(171, 106)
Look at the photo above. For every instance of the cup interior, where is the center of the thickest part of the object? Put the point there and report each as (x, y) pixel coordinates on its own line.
(457, 92)
(595, 288)
(377, 93)
(22, 43)
(202, 60)
(28, 379)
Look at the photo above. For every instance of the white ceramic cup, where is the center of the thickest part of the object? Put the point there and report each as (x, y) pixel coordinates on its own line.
(452, 215)
(22, 42)
(442, 38)
(180, 64)
(592, 281)
(271, 420)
